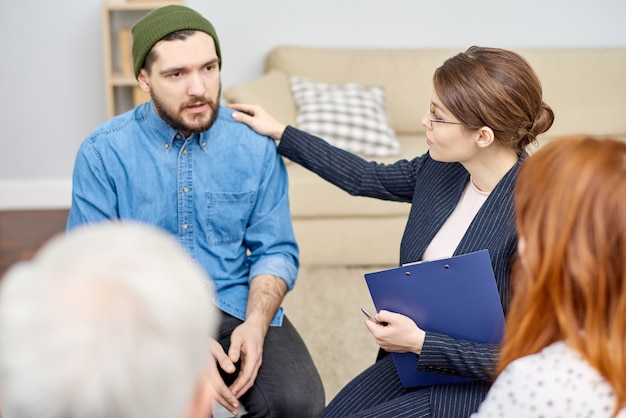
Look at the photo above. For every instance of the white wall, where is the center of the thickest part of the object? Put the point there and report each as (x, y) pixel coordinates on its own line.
(51, 77)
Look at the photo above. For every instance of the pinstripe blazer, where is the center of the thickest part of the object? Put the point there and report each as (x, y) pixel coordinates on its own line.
(433, 188)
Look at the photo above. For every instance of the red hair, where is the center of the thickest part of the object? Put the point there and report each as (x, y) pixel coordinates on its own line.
(569, 283)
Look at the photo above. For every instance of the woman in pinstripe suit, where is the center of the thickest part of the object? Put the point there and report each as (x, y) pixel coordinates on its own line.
(486, 108)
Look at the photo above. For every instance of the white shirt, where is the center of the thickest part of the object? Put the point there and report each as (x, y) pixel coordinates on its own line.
(556, 382)
(451, 232)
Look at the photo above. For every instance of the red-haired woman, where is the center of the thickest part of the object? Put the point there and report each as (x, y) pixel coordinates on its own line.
(564, 352)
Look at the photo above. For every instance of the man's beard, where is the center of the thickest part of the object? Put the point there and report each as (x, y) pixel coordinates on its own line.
(175, 119)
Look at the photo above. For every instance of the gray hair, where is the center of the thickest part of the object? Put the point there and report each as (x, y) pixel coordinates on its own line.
(112, 320)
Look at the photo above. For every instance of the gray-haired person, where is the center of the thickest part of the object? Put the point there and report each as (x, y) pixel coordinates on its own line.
(112, 320)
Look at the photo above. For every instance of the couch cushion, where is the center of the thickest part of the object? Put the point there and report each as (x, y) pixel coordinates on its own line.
(271, 91)
(312, 197)
(405, 74)
(349, 116)
(586, 88)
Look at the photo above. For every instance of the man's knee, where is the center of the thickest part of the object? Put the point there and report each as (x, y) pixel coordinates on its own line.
(298, 398)
(303, 402)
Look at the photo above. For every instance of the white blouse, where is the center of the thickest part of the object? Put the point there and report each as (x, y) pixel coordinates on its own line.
(556, 382)
(452, 231)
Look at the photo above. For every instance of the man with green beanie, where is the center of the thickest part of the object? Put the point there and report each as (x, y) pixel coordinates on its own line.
(181, 163)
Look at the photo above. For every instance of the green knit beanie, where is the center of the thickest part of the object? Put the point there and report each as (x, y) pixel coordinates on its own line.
(161, 22)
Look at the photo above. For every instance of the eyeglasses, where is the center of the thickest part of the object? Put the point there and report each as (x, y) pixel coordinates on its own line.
(432, 119)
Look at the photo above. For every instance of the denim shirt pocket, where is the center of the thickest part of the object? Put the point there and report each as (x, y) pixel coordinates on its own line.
(227, 216)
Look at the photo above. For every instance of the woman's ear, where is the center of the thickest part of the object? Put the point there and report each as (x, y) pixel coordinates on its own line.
(521, 250)
(521, 246)
(485, 137)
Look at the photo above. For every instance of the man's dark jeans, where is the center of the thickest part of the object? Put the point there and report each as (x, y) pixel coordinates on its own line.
(288, 384)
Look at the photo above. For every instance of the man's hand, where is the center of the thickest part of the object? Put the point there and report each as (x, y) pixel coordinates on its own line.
(259, 120)
(400, 335)
(246, 344)
(246, 341)
(219, 392)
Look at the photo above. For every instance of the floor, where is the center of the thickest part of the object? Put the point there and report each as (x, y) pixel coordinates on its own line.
(23, 232)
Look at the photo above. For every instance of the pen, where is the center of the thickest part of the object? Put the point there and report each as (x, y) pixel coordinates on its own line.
(372, 317)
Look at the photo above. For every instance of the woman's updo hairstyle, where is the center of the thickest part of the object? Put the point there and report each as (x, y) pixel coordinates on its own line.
(496, 88)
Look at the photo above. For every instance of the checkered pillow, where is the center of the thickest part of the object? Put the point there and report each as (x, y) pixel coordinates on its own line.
(349, 116)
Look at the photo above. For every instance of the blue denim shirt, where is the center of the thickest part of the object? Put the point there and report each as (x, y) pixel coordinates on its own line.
(222, 193)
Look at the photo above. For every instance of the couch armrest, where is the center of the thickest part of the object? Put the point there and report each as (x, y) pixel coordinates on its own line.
(271, 91)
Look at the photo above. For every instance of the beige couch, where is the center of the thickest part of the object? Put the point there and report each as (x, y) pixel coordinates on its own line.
(585, 87)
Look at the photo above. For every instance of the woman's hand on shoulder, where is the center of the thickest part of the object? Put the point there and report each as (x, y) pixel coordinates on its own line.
(258, 119)
(400, 335)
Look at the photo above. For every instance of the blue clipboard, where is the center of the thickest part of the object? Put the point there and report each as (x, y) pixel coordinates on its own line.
(456, 296)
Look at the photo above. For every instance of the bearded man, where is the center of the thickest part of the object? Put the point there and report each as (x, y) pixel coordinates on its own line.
(181, 163)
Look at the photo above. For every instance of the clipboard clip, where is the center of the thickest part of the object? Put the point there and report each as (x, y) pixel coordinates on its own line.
(445, 266)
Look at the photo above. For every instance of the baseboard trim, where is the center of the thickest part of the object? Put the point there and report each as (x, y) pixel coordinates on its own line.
(28, 194)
